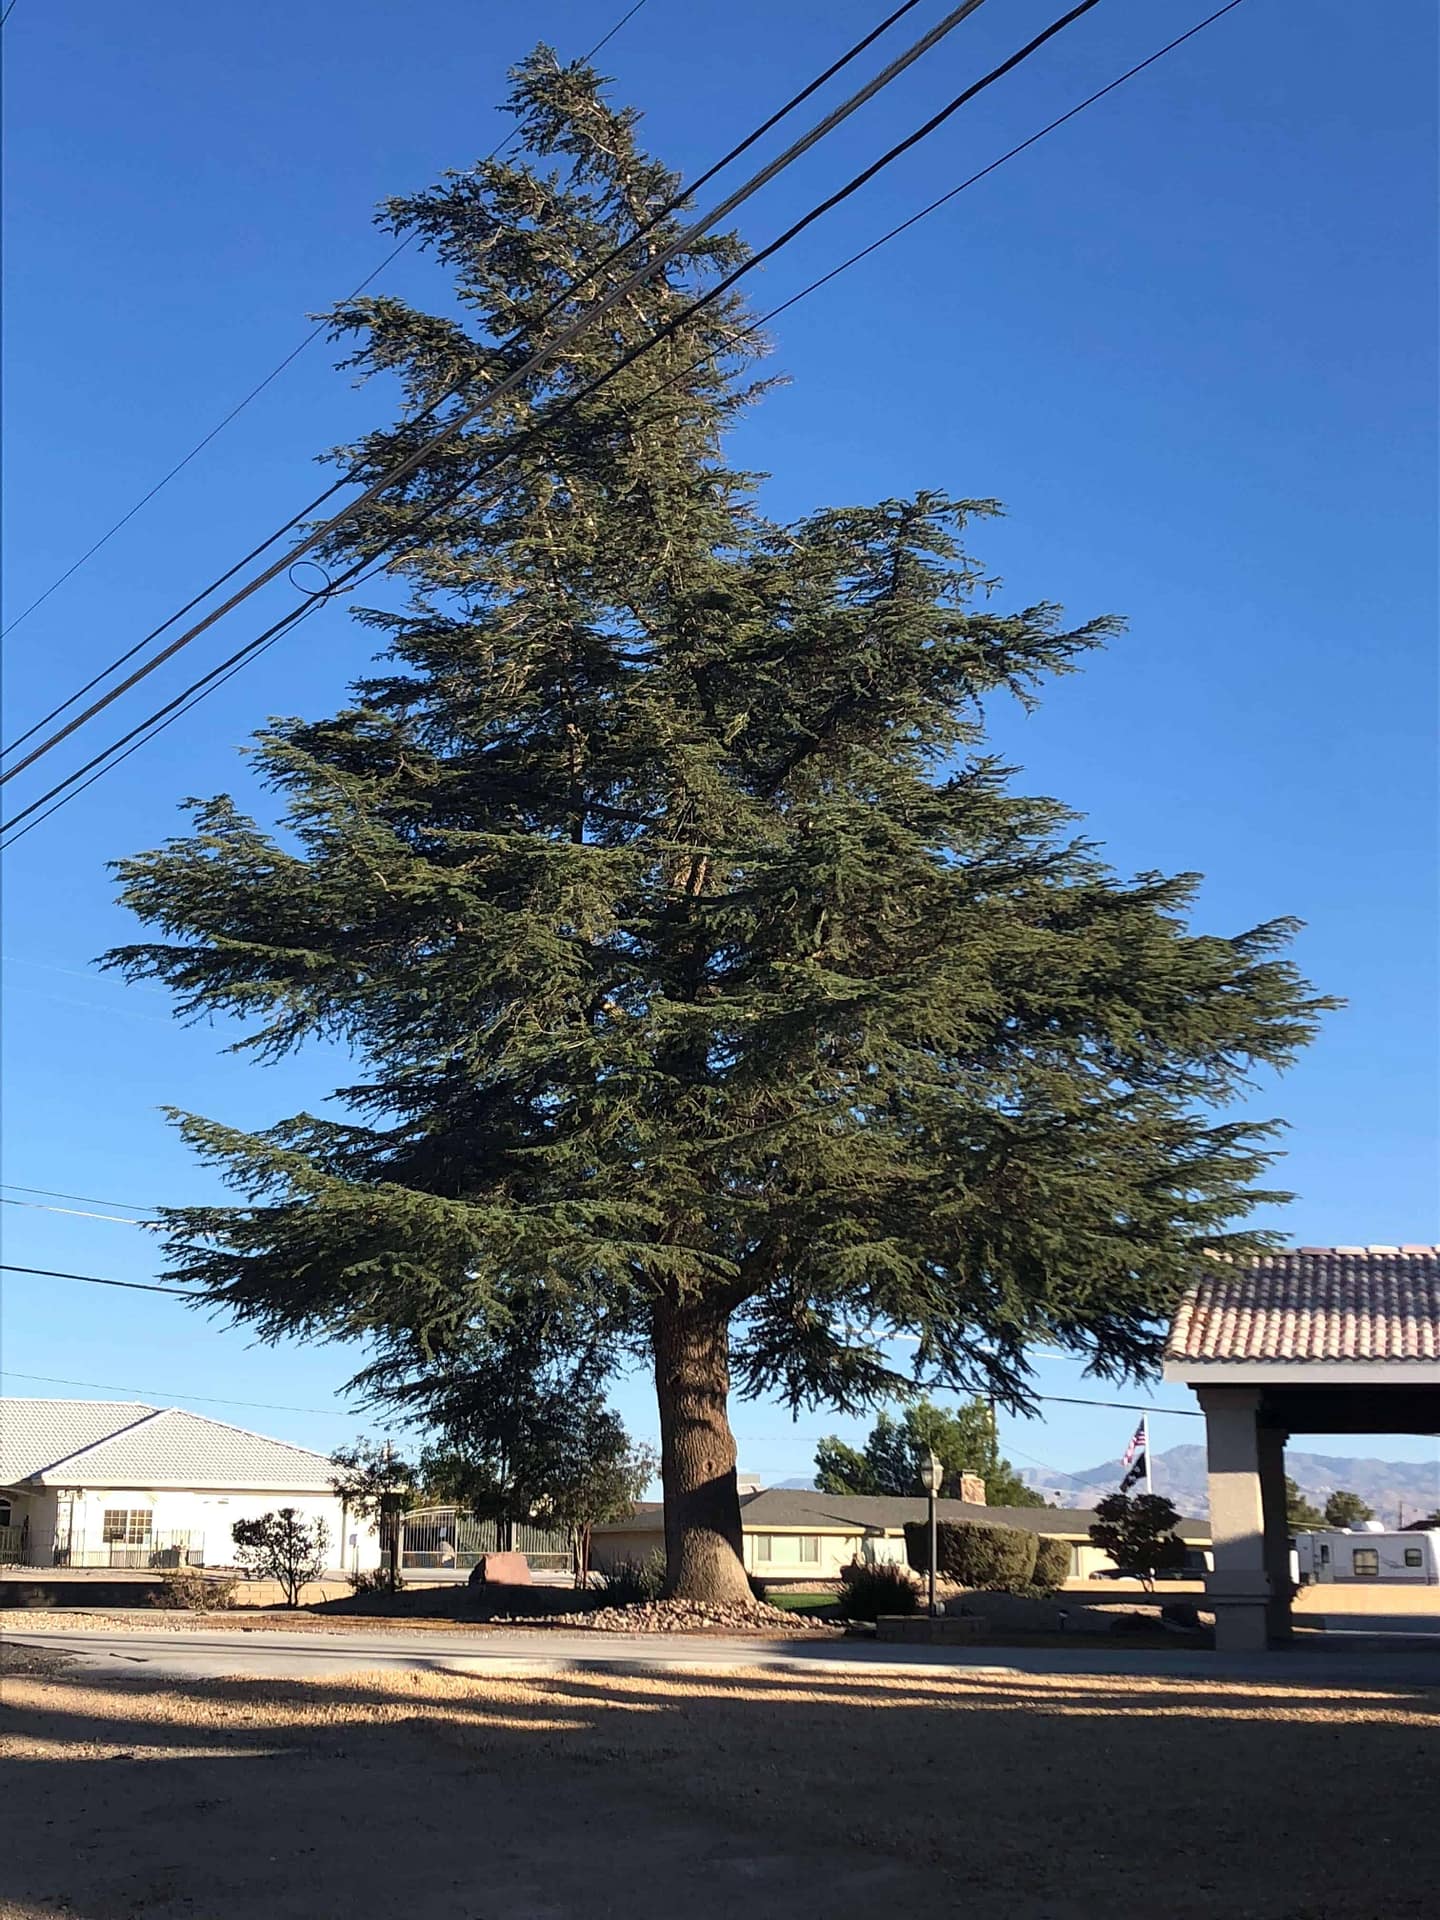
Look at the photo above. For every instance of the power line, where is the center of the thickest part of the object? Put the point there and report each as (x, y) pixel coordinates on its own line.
(1123, 1406)
(165, 1393)
(200, 690)
(97, 1280)
(239, 408)
(54, 1193)
(677, 200)
(184, 700)
(39, 1206)
(317, 535)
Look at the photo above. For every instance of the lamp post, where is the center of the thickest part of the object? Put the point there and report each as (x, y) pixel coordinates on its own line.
(932, 1475)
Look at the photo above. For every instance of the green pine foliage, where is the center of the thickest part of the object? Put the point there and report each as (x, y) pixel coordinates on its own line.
(964, 1441)
(1301, 1514)
(704, 973)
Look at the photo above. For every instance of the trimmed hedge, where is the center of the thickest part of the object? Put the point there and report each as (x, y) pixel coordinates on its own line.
(1052, 1563)
(975, 1554)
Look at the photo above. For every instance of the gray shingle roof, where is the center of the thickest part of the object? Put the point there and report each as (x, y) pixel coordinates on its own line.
(113, 1444)
(1314, 1304)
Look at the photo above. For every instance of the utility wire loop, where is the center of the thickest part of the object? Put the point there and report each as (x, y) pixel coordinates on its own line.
(301, 577)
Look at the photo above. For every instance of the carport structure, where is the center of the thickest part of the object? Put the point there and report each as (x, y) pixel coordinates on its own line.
(1318, 1340)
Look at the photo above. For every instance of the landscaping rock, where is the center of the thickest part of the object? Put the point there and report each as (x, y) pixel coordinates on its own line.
(500, 1570)
(682, 1616)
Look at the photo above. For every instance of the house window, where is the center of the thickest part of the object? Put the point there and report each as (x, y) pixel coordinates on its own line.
(126, 1527)
(1365, 1562)
(1324, 1554)
(1414, 1557)
(764, 1546)
(810, 1549)
(4, 1513)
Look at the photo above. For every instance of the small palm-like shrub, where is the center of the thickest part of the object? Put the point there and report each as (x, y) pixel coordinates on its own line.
(868, 1591)
(630, 1583)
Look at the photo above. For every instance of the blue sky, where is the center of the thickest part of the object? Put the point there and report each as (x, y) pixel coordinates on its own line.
(1188, 341)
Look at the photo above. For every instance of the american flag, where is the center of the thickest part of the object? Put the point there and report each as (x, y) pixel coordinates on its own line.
(1136, 1445)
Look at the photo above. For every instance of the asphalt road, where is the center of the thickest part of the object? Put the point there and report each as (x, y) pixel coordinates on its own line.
(274, 1654)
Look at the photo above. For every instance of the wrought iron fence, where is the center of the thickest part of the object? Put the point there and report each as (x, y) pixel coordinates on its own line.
(160, 1551)
(447, 1538)
(14, 1546)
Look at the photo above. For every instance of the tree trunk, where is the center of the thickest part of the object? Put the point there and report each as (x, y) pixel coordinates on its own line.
(703, 1550)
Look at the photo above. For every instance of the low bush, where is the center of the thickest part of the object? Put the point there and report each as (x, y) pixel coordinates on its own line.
(1052, 1564)
(193, 1589)
(370, 1580)
(975, 1554)
(867, 1591)
(630, 1583)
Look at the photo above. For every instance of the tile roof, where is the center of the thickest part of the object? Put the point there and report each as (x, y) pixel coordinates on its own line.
(794, 1508)
(1334, 1304)
(34, 1434)
(109, 1443)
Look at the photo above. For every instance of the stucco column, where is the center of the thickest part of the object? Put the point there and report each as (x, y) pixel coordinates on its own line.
(1239, 1587)
(1277, 1533)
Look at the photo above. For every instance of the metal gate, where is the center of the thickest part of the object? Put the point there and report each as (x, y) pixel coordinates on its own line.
(449, 1539)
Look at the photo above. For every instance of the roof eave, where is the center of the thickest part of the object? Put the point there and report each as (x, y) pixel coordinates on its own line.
(1301, 1373)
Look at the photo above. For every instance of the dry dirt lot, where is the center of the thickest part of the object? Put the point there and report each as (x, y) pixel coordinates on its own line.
(585, 1794)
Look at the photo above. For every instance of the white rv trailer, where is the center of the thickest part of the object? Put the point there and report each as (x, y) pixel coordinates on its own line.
(1356, 1556)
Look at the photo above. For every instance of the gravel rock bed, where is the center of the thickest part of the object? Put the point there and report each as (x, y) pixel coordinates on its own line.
(678, 1616)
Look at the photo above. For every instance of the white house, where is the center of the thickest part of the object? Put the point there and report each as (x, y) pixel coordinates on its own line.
(104, 1483)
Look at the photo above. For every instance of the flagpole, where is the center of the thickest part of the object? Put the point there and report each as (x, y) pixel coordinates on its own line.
(1145, 1429)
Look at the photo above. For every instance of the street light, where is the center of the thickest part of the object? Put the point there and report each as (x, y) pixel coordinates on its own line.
(932, 1476)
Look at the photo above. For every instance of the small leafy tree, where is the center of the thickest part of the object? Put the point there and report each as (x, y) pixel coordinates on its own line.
(964, 1441)
(601, 1480)
(369, 1471)
(1300, 1515)
(282, 1546)
(1345, 1509)
(1138, 1533)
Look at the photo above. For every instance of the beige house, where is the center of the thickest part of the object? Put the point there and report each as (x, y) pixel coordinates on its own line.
(118, 1484)
(791, 1536)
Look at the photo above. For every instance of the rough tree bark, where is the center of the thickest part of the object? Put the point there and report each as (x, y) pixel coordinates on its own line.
(703, 1545)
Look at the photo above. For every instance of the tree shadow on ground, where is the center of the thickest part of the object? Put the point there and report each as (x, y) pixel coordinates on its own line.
(643, 1794)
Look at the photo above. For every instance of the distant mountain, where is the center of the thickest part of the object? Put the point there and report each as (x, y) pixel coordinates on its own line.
(1179, 1473)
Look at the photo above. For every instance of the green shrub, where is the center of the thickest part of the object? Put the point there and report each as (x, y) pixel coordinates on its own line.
(193, 1589)
(973, 1553)
(370, 1580)
(1052, 1564)
(867, 1591)
(630, 1583)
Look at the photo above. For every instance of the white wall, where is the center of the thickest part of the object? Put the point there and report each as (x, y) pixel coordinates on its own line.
(208, 1515)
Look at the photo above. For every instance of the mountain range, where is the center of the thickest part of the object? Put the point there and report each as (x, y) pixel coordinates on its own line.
(1389, 1486)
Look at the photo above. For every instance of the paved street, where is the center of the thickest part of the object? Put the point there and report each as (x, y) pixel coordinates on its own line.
(275, 1654)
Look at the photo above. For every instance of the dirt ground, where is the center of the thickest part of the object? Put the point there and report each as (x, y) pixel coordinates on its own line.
(590, 1794)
